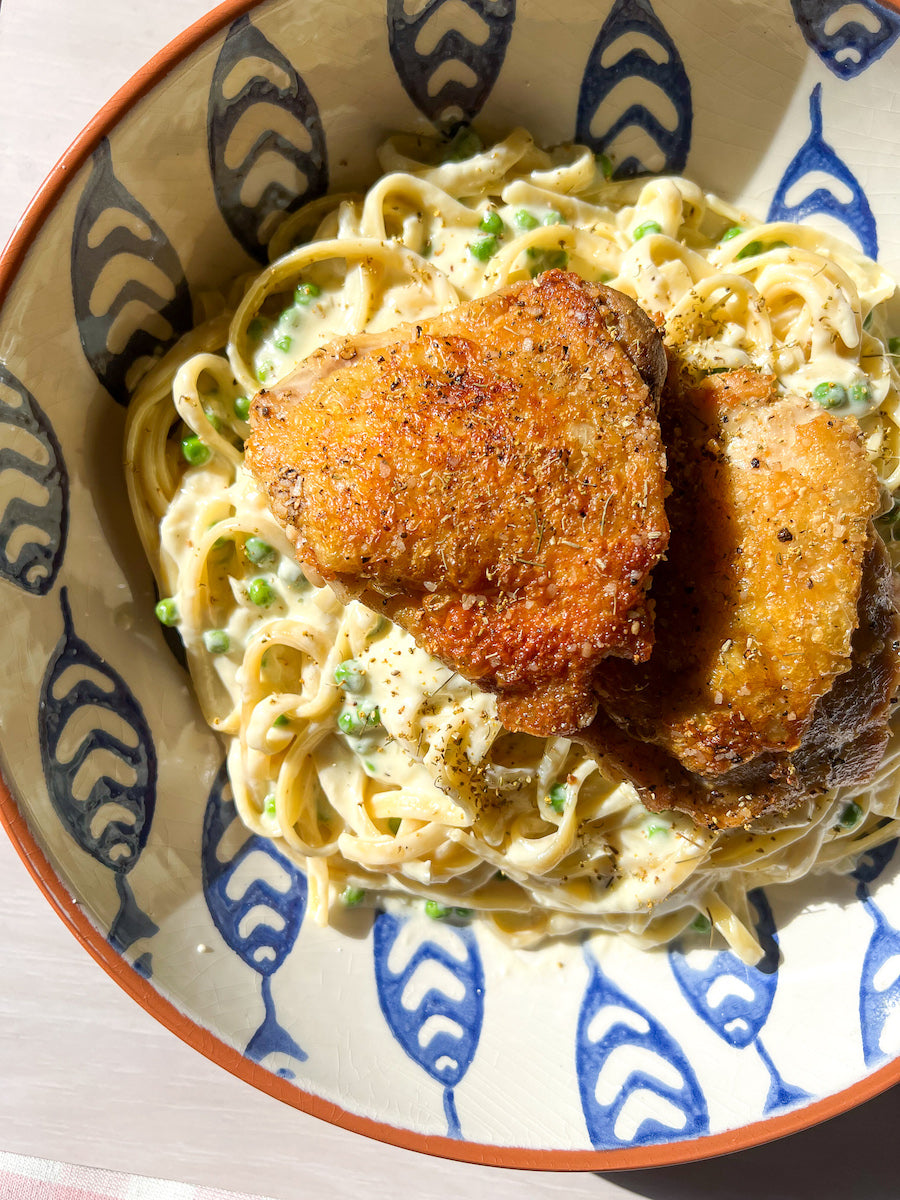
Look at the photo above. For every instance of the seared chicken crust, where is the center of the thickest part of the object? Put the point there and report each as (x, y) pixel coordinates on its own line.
(776, 659)
(491, 479)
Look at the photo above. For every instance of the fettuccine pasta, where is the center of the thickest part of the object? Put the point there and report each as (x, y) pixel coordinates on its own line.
(382, 772)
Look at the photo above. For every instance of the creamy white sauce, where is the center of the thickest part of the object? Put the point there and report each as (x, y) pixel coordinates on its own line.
(375, 765)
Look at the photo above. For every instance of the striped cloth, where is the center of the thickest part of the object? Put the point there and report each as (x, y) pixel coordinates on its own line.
(40, 1179)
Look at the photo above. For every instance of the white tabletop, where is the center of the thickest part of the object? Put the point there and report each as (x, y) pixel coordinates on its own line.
(86, 1076)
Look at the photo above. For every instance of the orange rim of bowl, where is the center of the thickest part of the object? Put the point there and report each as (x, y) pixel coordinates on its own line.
(208, 1044)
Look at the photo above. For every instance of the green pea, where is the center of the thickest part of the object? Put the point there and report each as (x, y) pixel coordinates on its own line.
(350, 676)
(894, 345)
(701, 923)
(167, 611)
(348, 722)
(859, 393)
(291, 575)
(525, 220)
(352, 896)
(851, 816)
(491, 222)
(750, 250)
(284, 343)
(212, 418)
(436, 911)
(258, 551)
(216, 641)
(281, 720)
(195, 450)
(656, 830)
(264, 370)
(554, 218)
(393, 824)
(464, 144)
(484, 248)
(261, 592)
(557, 797)
(270, 805)
(242, 408)
(357, 720)
(645, 228)
(547, 260)
(604, 162)
(733, 232)
(305, 293)
(830, 395)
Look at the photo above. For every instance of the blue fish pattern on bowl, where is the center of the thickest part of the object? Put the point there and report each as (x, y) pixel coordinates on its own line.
(734, 999)
(37, 559)
(112, 823)
(447, 1054)
(661, 82)
(264, 943)
(848, 37)
(127, 234)
(629, 1057)
(879, 984)
(456, 98)
(815, 156)
(244, 49)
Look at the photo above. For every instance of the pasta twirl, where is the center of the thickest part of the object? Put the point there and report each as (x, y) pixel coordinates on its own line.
(375, 766)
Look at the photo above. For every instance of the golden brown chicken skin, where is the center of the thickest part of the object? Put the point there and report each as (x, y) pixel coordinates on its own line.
(492, 480)
(775, 660)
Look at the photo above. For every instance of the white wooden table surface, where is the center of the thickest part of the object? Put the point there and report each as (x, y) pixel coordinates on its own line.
(85, 1075)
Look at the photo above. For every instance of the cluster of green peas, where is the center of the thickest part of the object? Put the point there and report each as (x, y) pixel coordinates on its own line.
(305, 292)
(352, 897)
(194, 450)
(492, 227)
(835, 395)
(259, 591)
(752, 248)
(358, 719)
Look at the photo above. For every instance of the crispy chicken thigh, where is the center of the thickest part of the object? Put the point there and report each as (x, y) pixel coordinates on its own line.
(491, 479)
(776, 629)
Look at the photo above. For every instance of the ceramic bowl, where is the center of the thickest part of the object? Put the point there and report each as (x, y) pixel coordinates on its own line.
(579, 1054)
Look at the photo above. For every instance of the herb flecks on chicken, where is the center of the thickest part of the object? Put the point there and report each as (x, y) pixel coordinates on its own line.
(776, 628)
(491, 479)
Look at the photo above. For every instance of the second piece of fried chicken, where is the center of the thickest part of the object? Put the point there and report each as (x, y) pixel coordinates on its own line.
(491, 479)
(776, 632)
